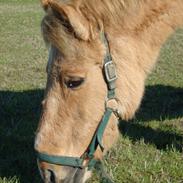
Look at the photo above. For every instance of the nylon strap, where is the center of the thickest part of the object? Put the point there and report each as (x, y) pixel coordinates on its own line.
(109, 69)
(108, 74)
(97, 139)
(61, 160)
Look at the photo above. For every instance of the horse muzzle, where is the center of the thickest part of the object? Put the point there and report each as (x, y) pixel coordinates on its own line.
(51, 173)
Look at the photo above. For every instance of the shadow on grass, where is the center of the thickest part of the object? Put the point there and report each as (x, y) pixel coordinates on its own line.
(159, 103)
(163, 140)
(19, 115)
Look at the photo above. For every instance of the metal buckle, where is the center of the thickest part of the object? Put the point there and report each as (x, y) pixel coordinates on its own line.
(110, 71)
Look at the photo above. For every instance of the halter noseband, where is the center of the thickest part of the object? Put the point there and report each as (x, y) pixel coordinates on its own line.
(110, 76)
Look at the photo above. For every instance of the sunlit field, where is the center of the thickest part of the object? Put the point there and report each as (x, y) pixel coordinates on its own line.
(150, 146)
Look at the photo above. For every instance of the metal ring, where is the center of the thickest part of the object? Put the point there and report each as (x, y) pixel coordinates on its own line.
(115, 110)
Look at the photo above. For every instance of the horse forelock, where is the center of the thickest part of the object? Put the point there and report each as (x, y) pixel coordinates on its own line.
(114, 13)
(105, 12)
(56, 34)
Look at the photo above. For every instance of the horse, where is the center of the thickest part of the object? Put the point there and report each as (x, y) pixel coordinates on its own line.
(100, 54)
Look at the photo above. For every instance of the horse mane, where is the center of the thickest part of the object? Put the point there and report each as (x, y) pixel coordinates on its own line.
(128, 16)
(106, 12)
(109, 12)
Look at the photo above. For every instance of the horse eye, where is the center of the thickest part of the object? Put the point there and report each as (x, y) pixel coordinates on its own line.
(74, 83)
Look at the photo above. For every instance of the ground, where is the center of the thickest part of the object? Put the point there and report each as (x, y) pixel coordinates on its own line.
(150, 146)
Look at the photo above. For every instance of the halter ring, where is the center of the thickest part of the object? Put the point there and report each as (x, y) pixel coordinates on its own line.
(115, 109)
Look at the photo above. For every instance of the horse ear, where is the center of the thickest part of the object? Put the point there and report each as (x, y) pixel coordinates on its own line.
(76, 20)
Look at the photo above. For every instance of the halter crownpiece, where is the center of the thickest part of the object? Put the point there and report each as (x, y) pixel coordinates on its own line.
(109, 71)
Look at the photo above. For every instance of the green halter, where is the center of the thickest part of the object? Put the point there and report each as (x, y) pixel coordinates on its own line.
(109, 71)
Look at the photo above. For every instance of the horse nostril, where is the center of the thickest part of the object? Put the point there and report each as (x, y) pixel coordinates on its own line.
(49, 176)
(52, 177)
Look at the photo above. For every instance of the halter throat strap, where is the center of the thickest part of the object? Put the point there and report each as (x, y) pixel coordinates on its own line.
(109, 72)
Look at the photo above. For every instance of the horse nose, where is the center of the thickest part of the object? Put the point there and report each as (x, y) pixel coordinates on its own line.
(47, 172)
(49, 176)
(57, 174)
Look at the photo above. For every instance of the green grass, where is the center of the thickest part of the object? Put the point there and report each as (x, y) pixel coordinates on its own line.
(150, 146)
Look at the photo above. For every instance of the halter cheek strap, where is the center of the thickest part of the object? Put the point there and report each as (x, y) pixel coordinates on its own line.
(110, 76)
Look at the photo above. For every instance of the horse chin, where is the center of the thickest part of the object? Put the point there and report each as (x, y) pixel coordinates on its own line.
(78, 176)
(81, 176)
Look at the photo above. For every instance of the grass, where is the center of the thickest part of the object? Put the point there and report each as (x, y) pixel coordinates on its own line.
(150, 146)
